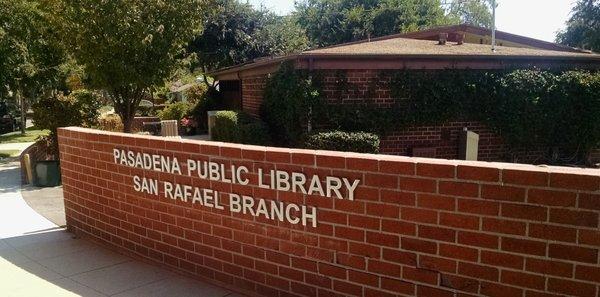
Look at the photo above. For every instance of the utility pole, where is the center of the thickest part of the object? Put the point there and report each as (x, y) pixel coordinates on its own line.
(493, 25)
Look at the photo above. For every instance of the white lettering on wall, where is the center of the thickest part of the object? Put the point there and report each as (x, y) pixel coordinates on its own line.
(279, 180)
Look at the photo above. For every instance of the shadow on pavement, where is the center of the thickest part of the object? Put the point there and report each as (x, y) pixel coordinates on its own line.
(9, 174)
(48, 202)
(38, 258)
(54, 263)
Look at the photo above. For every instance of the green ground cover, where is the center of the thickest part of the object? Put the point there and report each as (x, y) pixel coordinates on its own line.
(8, 153)
(31, 135)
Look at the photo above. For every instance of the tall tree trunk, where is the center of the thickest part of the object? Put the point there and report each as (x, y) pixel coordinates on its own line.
(126, 102)
(23, 104)
(127, 123)
(127, 112)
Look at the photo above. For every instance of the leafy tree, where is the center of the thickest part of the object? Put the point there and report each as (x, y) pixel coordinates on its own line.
(235, 33)
(30, 53)
(583, 28)
(127, 47)
(473, 12)
(329, 22)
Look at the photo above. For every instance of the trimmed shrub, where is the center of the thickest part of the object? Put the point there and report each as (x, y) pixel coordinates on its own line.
(80, 108)
(359, 142)
(236, 127)
(175, 111)
(226, 126)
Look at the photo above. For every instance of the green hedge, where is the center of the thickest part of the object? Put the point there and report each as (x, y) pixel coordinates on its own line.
(359, 142)
(237, 127)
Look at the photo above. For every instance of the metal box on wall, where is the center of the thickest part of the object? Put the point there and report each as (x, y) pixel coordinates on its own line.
(468, 147)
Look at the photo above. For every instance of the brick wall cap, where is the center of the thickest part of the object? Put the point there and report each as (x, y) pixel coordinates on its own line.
(397, 158)
(334, 154)
(190, 141)
(272, 149)
(255, 148)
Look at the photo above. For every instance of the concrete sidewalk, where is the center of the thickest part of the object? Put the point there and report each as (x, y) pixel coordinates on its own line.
(38, 258)
(19, 146)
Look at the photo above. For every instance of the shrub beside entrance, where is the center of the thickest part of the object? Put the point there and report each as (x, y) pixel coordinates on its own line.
(359, 142)
(238, 127)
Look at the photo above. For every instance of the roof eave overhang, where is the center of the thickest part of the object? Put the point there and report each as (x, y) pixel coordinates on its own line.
(238, 69)
(412, 61)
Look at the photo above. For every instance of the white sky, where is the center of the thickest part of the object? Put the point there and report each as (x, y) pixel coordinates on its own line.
(539, 19)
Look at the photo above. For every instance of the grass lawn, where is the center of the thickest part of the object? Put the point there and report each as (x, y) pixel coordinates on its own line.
(8, 153)
(31, 135)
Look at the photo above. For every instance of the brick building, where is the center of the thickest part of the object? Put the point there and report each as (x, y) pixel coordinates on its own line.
(365, 63)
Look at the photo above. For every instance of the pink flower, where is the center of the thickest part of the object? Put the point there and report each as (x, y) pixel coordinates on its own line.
(188, 123)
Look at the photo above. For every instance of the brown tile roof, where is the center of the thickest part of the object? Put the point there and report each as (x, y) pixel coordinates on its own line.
(415, 47)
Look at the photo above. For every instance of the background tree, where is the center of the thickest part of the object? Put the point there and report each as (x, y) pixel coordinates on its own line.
(127, 47)
(583, 28)
(30, 53)
(472, 12)
(329, 22)
(235, 33)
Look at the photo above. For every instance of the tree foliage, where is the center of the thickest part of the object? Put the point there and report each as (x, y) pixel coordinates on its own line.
(235, 33)
(127, 47)
(329, 22)
(583, 28)
(472, 12)
(30, 51)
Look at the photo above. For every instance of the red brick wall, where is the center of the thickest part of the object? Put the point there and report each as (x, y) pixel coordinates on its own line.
(417, 227)
(445, 140)
(357, 86)
(252, 93)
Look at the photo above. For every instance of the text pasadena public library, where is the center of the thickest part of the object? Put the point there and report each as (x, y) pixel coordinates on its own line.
(297, 182)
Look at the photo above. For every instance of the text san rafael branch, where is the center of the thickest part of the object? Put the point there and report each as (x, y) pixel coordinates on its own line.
(280, 180)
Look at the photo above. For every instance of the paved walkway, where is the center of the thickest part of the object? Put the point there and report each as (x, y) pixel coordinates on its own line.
(38, 258)
(15, 146)
(48, 202)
